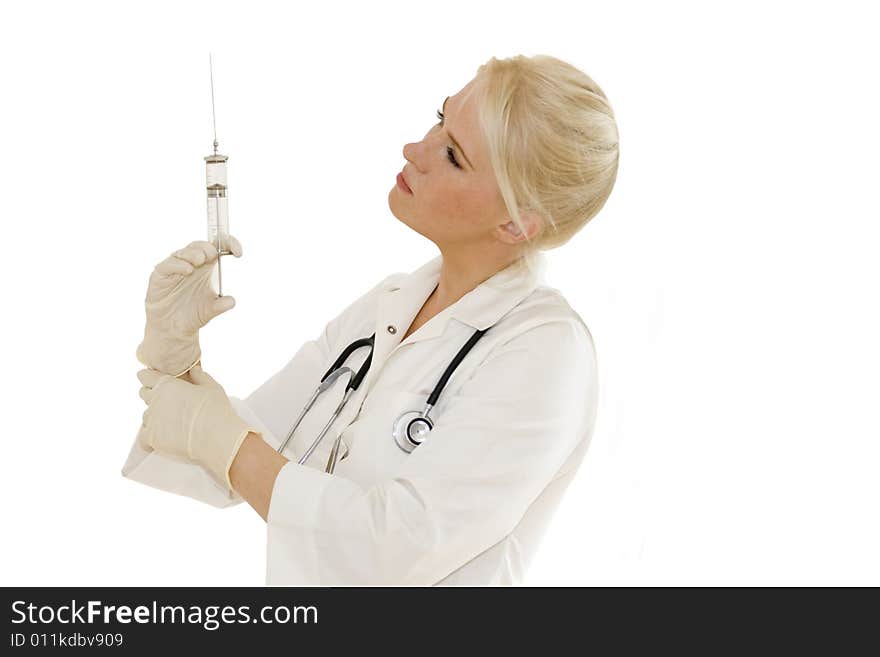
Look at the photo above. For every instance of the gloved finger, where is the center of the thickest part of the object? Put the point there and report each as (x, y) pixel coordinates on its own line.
(144, 419)
(196, 254)
(149, 377)
(146, 394)
(232, 245)
(228, 244)
(209, 248)
(171, 266)
(220, 305)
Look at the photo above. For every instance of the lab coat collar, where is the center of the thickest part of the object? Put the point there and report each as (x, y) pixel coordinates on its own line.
(480, 308)
(403, 295)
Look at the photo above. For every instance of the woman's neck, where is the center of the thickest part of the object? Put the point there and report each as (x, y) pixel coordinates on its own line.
(461, 274)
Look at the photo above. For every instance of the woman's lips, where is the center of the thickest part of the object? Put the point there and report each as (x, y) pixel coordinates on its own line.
(401, 182)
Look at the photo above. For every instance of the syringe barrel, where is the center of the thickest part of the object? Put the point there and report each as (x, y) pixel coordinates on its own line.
(218, 209)
(216, 169)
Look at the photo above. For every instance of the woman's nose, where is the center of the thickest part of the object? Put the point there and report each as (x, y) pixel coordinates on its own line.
(409, 152)
(413, 152)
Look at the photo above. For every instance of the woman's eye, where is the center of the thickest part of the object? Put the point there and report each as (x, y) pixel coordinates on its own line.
(450, 153)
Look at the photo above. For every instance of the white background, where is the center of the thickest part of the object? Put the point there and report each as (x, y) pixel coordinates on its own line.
(730, 283)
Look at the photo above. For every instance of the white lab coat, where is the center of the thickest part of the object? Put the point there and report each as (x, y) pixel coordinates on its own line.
(468, 506)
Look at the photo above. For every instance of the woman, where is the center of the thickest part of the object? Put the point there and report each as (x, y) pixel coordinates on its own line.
(521, 159)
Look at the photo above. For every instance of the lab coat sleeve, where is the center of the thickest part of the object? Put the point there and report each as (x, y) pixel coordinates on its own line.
(502, 438)
(177, 476)
(268, 410)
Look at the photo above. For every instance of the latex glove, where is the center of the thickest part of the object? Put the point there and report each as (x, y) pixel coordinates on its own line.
(194, 421)
(180, 300)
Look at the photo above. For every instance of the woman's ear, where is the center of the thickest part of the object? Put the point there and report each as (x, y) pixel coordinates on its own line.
(512, 229)
(532, 223)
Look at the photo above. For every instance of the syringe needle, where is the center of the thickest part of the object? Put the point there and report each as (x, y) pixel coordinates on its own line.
(218, 220)
(213, 112)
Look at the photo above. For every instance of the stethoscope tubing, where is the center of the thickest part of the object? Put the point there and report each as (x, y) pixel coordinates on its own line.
(326, 427)
(337, 369)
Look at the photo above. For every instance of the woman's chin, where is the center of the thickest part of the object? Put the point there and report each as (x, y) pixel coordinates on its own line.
(394, 204)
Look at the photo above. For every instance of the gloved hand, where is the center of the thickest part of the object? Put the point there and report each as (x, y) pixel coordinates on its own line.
(181, 300)
(194, 421)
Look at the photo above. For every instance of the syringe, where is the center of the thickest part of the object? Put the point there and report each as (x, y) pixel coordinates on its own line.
(218, 210)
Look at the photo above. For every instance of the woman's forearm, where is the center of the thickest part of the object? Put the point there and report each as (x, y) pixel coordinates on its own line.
(253, 472)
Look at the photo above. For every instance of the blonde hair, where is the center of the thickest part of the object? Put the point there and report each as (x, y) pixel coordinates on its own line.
(552, 142)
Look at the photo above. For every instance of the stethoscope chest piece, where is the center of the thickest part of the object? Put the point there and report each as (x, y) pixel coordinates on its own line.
(410, 430)
(412, 427)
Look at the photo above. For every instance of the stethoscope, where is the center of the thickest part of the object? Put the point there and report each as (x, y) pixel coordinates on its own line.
(409, 429)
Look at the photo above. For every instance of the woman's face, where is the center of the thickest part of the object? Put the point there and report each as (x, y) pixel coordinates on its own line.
(455, 200)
